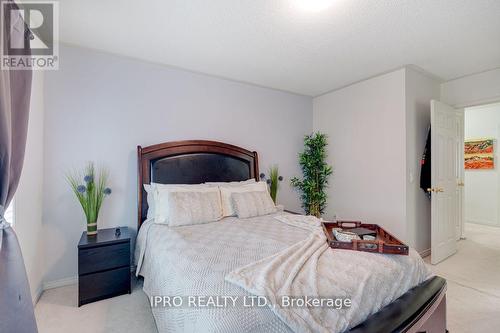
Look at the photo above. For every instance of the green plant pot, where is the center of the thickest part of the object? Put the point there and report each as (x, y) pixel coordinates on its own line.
(91, 229)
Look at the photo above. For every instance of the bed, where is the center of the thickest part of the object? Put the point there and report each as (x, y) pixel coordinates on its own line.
(390, 293)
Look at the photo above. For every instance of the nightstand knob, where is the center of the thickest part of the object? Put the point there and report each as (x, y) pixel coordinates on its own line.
(117, 232)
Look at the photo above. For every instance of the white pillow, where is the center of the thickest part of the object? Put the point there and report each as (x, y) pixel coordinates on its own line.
(186, 208)
(151, 200)
(243, 182)
(161, 196)
(226, 191)
(250, 204)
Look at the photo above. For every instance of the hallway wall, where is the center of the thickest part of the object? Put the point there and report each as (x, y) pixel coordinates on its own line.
(475, 89)
(482, 187)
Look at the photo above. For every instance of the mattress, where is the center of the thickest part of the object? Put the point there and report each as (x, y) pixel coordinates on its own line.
(193, 261)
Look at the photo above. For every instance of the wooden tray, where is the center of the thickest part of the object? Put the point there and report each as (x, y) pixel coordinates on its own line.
(384, 242)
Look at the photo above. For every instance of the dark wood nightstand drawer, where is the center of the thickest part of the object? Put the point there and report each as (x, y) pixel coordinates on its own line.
(97, 286)
(103, 258)
(103, 265)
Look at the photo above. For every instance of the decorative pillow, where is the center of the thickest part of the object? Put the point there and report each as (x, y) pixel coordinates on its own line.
(227, 191)
(161, 197)
(151, 199)
(186, 208)
(250, 204)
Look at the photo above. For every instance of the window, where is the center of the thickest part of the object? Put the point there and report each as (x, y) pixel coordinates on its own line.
(9, 213)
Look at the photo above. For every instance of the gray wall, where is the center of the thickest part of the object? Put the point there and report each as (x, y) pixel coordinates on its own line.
(420, 89)
(28, 204)
(377, 131)
(99, 107)
(365, 123)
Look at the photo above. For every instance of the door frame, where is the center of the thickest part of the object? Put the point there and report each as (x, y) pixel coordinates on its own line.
(464, 106)
(462, 179)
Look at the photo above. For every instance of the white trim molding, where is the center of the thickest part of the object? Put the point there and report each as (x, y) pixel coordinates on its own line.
(60, 283)
(483, 222)
(425, 253)
(38, 294)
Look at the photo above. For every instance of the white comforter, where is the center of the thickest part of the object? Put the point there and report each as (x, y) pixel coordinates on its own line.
(269, 256)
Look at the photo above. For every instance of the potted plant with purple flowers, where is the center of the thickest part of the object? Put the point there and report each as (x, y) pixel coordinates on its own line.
(90, 193)
(272, 182)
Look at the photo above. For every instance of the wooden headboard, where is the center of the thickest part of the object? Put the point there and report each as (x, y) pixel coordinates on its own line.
(191, 162)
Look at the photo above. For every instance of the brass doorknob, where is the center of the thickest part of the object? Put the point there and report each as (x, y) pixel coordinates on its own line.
(436, 189)
(461, 184)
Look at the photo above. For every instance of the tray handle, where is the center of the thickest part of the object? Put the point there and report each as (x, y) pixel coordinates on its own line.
(349, 224)
(369, 245)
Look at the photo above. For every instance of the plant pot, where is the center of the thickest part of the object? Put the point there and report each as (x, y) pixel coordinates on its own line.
(92, 228)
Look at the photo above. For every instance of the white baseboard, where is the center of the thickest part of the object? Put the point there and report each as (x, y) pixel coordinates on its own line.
(60, 283)
(482, 222)
(38, 293)
(425, 253)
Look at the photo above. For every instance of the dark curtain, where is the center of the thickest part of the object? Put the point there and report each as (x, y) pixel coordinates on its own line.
(425, 166)
(16, 307)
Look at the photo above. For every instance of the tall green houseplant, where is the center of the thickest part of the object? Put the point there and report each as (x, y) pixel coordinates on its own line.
(315, 173)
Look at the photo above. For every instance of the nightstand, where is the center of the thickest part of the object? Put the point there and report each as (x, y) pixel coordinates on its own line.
(103, 265)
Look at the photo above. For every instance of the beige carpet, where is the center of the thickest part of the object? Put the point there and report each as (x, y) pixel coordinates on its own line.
(57, 311)
(473, 276)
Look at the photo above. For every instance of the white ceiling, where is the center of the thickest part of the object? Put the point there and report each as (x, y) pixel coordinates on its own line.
(279, 44)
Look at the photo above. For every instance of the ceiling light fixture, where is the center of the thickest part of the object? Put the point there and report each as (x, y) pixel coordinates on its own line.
(313, 5)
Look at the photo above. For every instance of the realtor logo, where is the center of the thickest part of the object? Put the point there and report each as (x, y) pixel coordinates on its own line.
(30, 35)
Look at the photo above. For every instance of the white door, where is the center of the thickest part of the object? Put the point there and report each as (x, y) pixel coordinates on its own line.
(446, 165)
